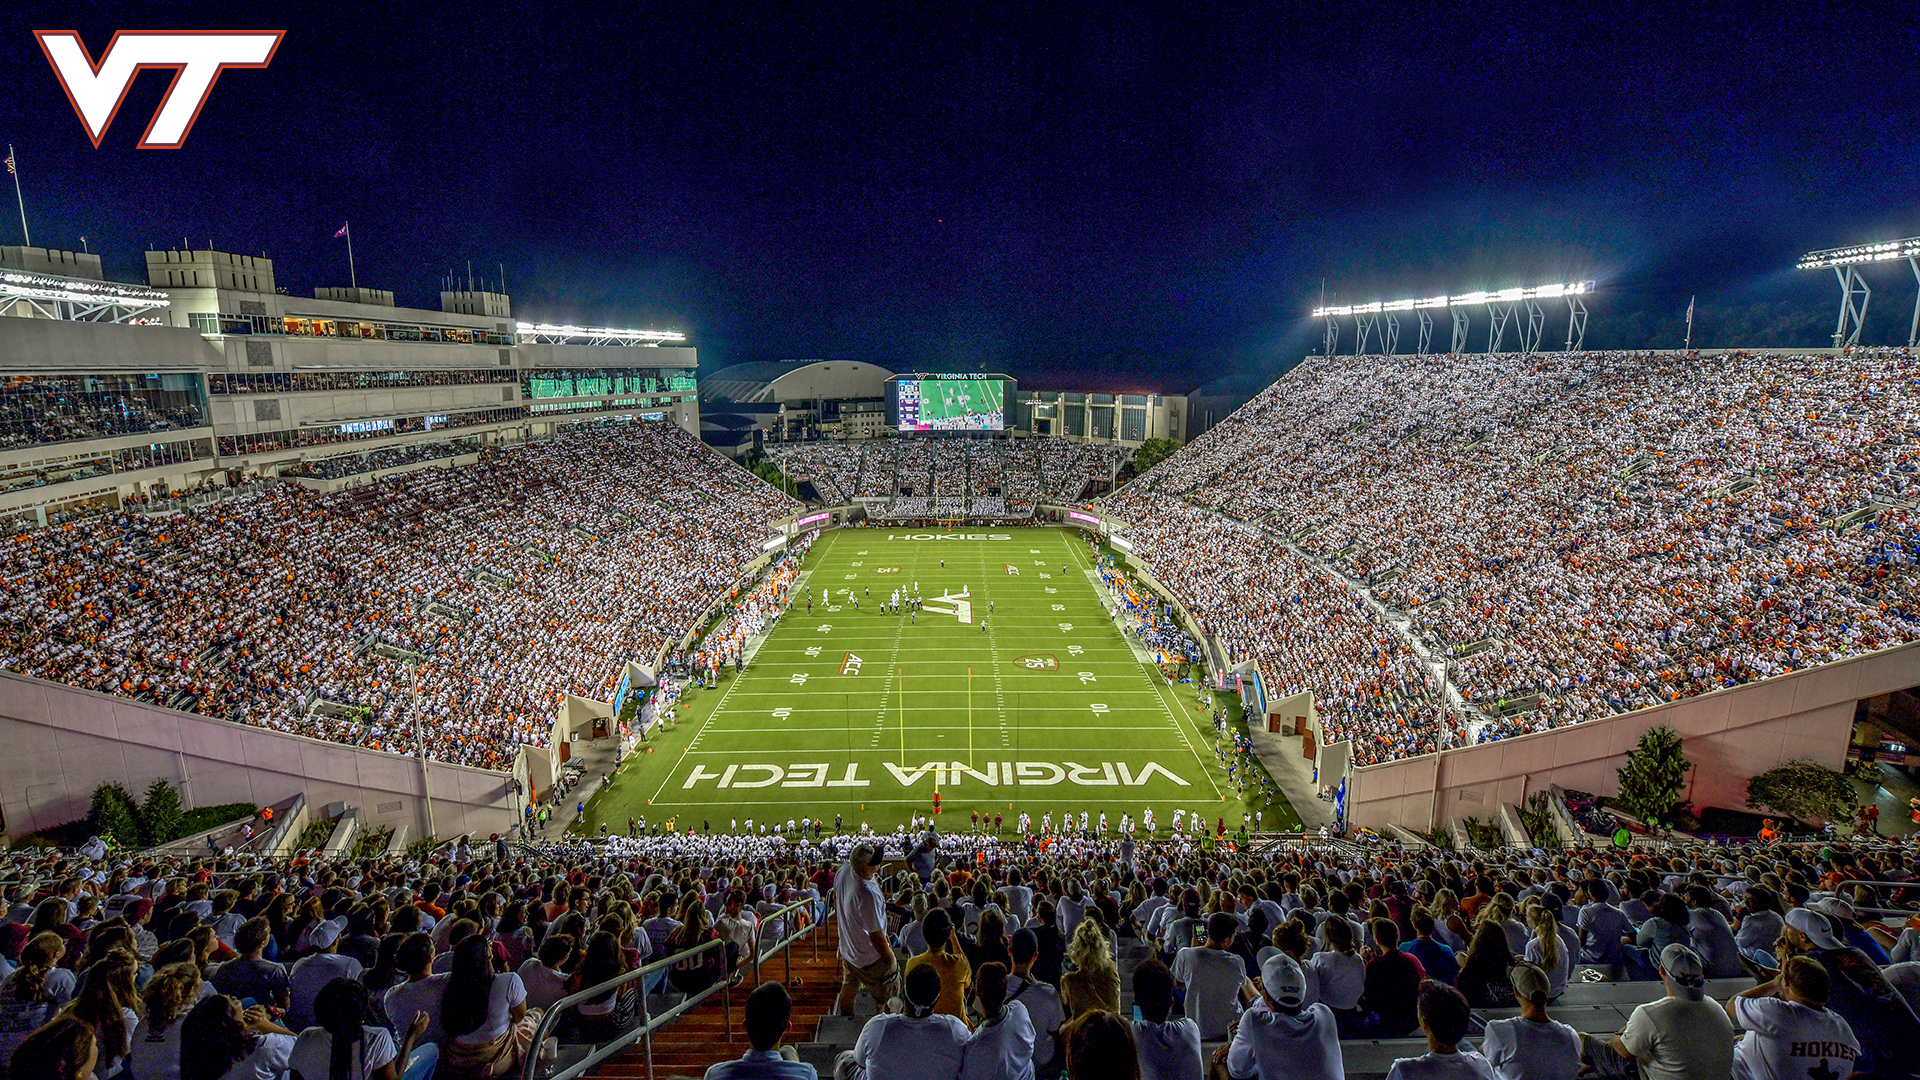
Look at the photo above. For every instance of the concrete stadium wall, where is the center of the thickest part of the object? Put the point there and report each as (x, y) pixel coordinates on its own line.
(62, 742)
(1731, 735)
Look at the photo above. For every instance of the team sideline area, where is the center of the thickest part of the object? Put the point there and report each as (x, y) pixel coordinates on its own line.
(1016, 687)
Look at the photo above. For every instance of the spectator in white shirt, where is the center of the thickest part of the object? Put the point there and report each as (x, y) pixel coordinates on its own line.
(918, 1044)
(1001, 1048)
(1042, 1000)
(541, 974)
(866, 957)
(1531, 1046)
(736, 927)
(345, 1029)
(313, 973)
(1212, 976)
(1791, 1034)
(1169, 1047)
(1280, 1037)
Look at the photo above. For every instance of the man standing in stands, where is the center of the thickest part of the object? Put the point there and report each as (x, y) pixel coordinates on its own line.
(866, 957)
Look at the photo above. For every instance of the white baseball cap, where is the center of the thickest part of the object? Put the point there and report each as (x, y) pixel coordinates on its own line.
(1282, 980)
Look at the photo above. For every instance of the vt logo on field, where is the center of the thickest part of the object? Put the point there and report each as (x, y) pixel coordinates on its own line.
(958, 605)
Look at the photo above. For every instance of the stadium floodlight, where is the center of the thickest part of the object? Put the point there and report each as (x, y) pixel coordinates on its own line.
(80, 299)
(1854, 292)
(552, 334)
(1365, 315)
(1862, 253)
(1472, 299)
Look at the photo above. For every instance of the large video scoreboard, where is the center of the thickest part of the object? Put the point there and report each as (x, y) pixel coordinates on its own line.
(938, 402)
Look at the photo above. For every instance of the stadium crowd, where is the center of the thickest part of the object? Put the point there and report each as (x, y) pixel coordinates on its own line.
(536, 572)
(953, 479)
(1606, 530)
(988, 956)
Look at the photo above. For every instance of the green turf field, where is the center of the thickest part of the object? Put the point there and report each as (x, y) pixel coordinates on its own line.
(857, 713)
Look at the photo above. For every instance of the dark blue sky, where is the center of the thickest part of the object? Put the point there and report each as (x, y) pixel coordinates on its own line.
(1154, 196)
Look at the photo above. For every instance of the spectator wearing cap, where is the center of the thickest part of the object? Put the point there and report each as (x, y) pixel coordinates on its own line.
(1846, 923)
(866, 956)
(1169, 1046)
(1881, 1019)
(1211, 975)
(1280, 1037)
(768, 1012)
(250, 975)
(1790, 1030)
(1685, 1035)
(1531, 1046)
(1445, 1018)
(1042, 1000)
(316, 970)
(917, 1044)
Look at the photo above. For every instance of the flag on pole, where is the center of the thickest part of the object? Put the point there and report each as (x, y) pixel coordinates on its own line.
(10, 167)
(1690, 301)
(337, 234)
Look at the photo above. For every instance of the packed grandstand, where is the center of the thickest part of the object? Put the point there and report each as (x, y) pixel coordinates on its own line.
(1438, 547)
(1560, 536)
(969, 955)
(904, 479)
(469, 599)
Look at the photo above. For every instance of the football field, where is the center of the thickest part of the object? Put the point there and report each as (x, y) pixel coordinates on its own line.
(1011, 690)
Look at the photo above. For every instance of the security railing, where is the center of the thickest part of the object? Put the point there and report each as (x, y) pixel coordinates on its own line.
(649, 1023)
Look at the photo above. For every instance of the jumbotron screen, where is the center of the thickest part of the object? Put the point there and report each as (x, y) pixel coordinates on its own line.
(951, 403)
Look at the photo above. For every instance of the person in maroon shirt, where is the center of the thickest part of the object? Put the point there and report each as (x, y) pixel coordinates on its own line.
(1391, 1002)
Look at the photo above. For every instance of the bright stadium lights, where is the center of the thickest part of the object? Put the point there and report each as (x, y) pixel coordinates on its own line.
(1472, 299)
(1504, 304)
(1862, 253)
(79, 299)
(1854, 292)
(551, 334)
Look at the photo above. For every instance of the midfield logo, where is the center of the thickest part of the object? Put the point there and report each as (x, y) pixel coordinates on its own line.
(197, 58)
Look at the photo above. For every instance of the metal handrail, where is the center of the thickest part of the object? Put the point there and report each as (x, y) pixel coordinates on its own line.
(649, 1022)
(780, 947)
(627, 1038)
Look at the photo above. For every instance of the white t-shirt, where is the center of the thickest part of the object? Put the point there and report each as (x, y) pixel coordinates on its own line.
(306, 979)
(1342, 978)
(899, 1047)
(506, 992)
(1465, 1065)
(1677, 1039)
(860, 909)
(1212, 978)
(1169, 1050)
(156, 1056)
(1274, 1046)
(313, 1051)
(1787, 1041)
(544, 985)
(266, 1061)
(1043, 1008)
(405, 999)
(1000, 1050)
(1521, 1049)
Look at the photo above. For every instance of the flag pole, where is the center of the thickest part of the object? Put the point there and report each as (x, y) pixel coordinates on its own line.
(353, 278)
(14, 168)
(1690, 301)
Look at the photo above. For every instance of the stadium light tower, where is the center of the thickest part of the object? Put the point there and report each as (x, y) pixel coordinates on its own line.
(1854, 292)
(1502, 306)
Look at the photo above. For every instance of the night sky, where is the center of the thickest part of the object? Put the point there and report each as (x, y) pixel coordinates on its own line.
(1092, 192)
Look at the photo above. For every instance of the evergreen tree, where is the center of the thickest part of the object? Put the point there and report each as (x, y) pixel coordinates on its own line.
(160, 813)
(114, 814)
(1653, 777)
